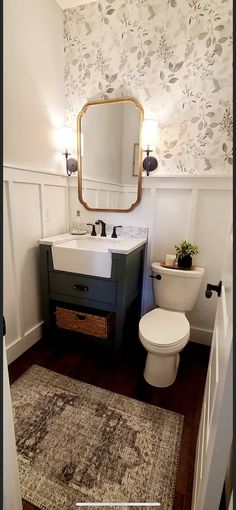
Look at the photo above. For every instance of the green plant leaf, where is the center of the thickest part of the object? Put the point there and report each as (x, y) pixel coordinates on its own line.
(185, 248)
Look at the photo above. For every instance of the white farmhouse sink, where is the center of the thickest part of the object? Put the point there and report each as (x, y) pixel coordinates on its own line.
(91, 255)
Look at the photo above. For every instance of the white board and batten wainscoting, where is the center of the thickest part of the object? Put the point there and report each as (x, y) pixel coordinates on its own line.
(38, 204)
(35, 206)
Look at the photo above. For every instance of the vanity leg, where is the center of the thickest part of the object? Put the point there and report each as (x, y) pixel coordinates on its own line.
(119, 332)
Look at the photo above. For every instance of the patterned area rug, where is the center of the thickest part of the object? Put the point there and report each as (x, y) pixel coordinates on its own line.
(80, 443)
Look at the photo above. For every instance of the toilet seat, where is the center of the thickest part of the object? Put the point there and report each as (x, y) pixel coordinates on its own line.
(164, 330)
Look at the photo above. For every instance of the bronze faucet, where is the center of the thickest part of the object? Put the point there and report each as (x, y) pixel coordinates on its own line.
(103, 224)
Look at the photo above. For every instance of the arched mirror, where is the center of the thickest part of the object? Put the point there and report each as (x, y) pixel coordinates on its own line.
(109, 154)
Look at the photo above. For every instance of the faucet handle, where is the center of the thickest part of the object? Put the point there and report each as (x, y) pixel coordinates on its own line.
(114, 234)
(93, 233)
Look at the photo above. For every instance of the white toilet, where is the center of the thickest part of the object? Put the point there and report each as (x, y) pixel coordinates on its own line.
(165, 331)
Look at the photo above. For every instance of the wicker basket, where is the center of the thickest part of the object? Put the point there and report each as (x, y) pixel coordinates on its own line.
(87, 323)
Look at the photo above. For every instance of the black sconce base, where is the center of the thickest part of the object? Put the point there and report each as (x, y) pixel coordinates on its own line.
(71, 166)
(149, 164)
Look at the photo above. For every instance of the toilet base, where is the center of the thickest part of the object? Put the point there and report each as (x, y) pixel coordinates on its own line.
(161, 371)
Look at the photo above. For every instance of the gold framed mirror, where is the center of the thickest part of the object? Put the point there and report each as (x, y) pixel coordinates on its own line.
(110, 154)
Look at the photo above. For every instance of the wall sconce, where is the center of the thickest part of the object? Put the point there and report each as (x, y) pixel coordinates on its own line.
(149, 140)
(65, 138)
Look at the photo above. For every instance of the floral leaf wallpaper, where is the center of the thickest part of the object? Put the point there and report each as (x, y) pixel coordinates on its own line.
(174, 57)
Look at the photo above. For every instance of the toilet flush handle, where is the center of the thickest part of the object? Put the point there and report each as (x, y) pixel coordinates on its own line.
(157, 276)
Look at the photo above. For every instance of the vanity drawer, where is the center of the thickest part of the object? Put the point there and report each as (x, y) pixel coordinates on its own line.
(83, 287)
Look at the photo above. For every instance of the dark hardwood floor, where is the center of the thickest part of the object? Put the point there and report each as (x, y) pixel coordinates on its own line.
(122, 372)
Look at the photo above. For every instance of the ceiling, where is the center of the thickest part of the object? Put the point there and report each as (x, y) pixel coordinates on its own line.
(65, 4)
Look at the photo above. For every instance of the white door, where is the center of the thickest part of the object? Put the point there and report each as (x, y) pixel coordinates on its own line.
(216, 423)
(11, 484)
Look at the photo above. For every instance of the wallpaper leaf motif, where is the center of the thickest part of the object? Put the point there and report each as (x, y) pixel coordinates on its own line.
(175, 57)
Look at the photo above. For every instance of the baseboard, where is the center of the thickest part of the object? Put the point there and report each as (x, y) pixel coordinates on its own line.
(201, 336)
(19, 346)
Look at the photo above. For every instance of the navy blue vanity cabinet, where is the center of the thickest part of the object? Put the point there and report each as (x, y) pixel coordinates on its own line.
(113, 294)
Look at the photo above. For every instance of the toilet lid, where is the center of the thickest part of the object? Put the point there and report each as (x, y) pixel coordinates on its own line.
(164, 327)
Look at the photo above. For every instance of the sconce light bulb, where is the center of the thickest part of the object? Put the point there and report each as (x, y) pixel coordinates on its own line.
(65, 137)
(149, 134)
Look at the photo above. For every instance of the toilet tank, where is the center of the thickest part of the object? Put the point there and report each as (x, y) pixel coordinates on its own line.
(177, 289)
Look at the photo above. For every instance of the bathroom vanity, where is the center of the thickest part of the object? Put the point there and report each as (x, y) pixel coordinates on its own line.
(112, 293)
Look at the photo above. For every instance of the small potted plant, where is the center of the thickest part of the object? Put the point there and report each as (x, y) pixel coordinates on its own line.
(184, 252)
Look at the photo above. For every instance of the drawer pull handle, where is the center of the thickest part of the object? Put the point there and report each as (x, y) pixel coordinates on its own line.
(81, 317)
(83, 288)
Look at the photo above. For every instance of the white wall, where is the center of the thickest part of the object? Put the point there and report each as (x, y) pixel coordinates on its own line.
(35, 186)
(35, 206)
(33, 83)
(194, 208)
